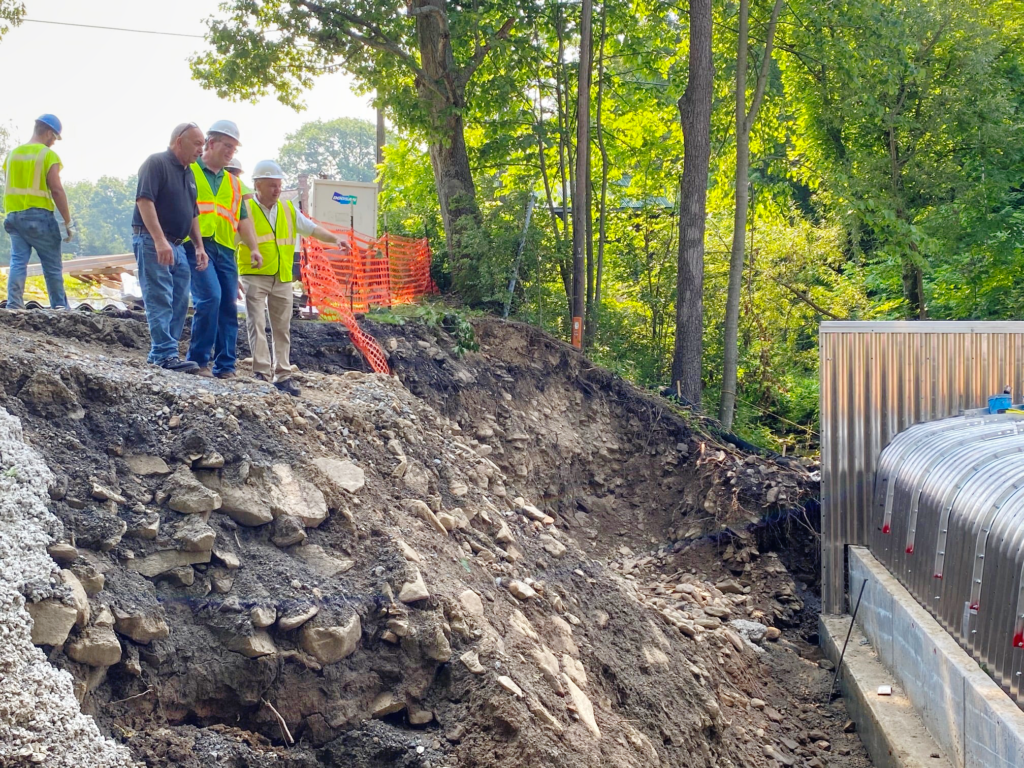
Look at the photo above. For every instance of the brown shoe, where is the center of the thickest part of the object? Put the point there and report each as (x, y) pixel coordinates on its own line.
(227, 375)
(205, 372)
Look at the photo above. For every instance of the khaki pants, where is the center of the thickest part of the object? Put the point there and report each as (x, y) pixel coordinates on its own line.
(266, 292)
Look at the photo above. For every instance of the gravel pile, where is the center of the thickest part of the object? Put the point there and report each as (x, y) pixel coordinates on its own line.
(40, 720)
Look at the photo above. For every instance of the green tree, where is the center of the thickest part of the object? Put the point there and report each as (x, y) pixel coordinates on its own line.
(425, 61)
(103, 211)
(909, 128)
(345, 148)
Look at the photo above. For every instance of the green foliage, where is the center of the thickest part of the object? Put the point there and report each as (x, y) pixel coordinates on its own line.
(345, 148)
(11, 14)
(103, 210)
(433, 314)
(909, 131)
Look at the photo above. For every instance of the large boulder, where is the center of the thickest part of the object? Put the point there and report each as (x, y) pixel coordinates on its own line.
(166, 560)
(96, 646)
(331, 644)
(142, 464)
(143, 628)
(245, 504)
(414, 590)
(188, 496)
(195, 536)
(254, 496)
(288, 531)
(290, 494)
(52, 620)
(344, 473)
(252, 646)
(324, 564)
(46, 395)
(78, 596)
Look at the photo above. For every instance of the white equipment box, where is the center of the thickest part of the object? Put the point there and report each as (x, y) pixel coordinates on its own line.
(345, 204)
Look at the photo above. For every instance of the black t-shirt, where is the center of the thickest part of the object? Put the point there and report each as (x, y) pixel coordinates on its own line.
(172, 188)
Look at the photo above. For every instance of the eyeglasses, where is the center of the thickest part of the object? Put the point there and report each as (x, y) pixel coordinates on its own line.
(181, 133)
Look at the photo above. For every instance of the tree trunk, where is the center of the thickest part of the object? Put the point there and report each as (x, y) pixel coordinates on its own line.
(913, 290)
(579, 206)
(695, 118)
(457, 197)
(744, 124)
(603, 203)
(561, 111)
(739, 226)
(443, 91)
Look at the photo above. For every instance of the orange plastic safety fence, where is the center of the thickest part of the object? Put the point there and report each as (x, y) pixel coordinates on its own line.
(383, 272)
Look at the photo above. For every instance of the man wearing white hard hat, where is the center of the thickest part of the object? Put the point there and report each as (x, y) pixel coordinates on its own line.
(269, 286)
(33, 189)
(235, 169)
(222, 219)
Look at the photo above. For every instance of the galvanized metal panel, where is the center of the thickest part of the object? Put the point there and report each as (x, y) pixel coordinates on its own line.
(878, 379)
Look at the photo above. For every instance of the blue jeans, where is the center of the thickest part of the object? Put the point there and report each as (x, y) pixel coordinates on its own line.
(215, 315)
(165, 293)
(34, 228)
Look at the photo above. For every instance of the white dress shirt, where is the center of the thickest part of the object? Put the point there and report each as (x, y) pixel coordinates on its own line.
(303, 224)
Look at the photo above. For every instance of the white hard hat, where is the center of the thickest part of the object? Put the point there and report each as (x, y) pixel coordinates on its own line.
(227, 127)
(267, 169)
(235, 165)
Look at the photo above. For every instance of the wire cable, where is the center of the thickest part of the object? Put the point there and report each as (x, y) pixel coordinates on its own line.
(113, 29)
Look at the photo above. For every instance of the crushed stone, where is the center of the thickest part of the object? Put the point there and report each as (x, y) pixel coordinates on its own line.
(40, 719)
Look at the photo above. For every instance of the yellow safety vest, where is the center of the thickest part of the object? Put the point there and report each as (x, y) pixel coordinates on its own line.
(25, 170)
(277, 243)
(218, 214)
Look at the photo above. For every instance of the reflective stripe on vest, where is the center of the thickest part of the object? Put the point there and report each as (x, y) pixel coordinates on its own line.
(26, 184)
(218, 214)
(277, 243)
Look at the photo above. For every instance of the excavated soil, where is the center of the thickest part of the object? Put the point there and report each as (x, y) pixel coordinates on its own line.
(515, 558)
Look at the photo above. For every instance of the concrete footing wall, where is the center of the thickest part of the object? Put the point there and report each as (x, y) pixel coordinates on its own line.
(969, 716)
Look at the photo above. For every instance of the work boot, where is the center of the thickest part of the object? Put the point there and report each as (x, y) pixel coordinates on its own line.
(177, 364)
(226, 375)
(288, 386)
(261, 377)
(205, 372)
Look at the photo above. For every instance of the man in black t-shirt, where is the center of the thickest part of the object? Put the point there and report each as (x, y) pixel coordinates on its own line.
(165, 214)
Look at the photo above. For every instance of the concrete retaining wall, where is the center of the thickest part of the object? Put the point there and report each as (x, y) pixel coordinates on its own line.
(967, 714)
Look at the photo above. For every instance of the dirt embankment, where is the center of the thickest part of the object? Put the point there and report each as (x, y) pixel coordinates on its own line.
(511, 558)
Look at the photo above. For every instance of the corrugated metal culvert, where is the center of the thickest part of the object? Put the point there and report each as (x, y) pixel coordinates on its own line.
(947, 519)
(878, 379)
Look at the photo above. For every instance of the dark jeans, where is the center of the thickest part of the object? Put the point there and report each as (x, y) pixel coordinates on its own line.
(215, 313)
(165, 293)
(34, 228)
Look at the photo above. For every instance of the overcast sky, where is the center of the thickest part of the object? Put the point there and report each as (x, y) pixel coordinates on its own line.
(119, 94)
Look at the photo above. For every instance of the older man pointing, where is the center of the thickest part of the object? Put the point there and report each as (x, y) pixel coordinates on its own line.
(269, 286)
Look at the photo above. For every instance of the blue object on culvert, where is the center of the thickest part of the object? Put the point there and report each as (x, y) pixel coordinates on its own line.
(997, 403)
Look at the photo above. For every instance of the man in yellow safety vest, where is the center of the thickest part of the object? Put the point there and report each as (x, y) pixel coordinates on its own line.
(33, 189)
(269, 286)
(222, 218)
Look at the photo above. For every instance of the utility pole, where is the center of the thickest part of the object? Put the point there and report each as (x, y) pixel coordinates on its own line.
(381, 140)
(579, 198)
